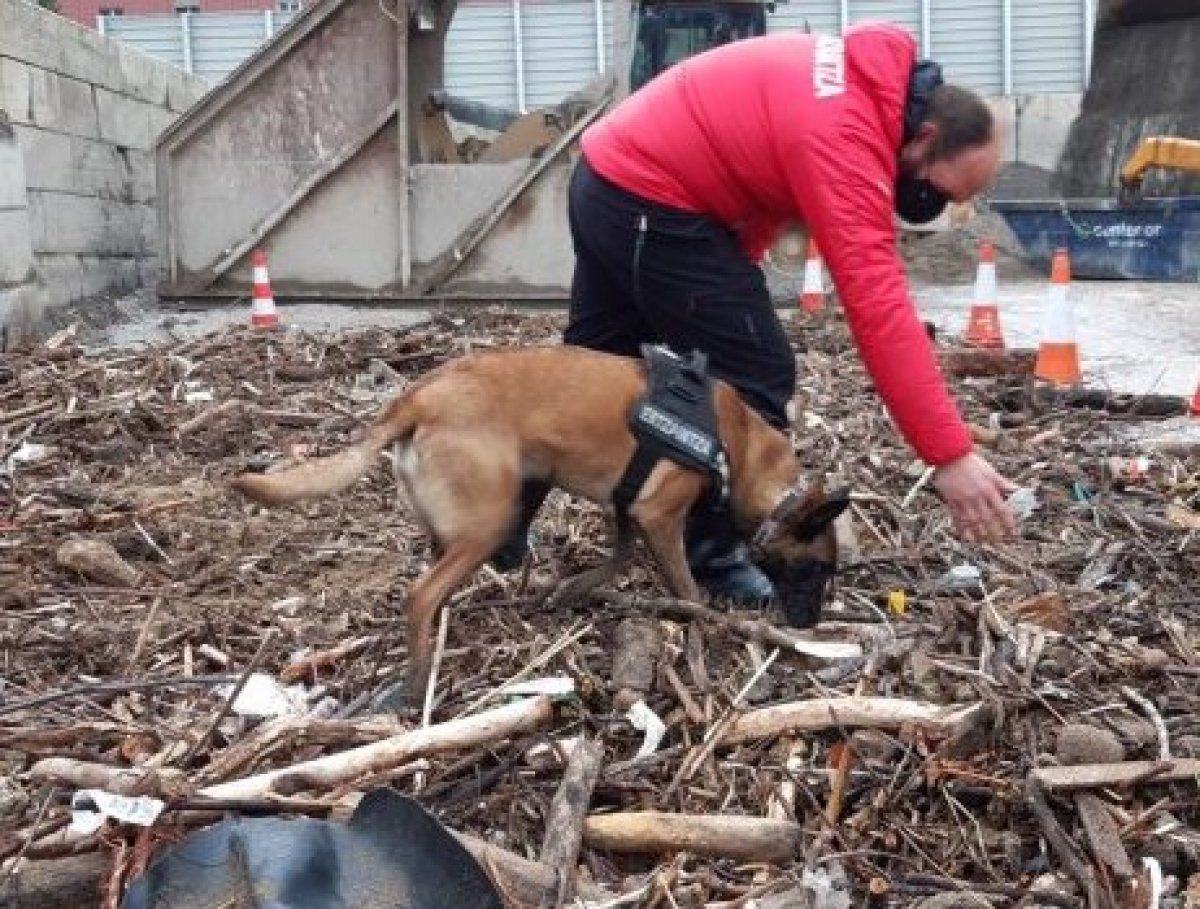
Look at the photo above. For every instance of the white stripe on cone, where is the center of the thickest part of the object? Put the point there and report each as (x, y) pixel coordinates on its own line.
(1058, 326)
(985, 283)
(813, 283)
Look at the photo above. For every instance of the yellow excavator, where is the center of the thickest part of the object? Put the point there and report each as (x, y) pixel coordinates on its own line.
(1166, 152)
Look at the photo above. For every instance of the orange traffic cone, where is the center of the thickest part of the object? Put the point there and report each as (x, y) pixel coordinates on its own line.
(263, 313)
(812, 296)
(1058, 353)
(983, 329)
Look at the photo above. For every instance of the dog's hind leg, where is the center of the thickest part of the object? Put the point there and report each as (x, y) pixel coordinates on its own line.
(465, 493)
(458, 562)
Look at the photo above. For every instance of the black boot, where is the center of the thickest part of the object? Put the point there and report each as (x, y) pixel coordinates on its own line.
(511, 554)
(720, 560)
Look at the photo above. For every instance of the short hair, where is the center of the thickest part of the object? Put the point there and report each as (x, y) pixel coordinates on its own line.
(963, 119)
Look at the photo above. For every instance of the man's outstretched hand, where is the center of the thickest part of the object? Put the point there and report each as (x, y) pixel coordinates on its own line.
(977, 498)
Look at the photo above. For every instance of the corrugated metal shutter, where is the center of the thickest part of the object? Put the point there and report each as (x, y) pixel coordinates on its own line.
(903, 12)
(968, 41)
(610, 31)
(158, 36)
(818, 15)
(481, 53)
(1047, 51)
(221, 41)
(559, 39)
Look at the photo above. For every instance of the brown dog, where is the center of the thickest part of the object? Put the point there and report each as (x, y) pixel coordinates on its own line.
(469, 433)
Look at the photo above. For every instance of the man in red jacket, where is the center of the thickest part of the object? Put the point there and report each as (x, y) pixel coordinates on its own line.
(684, 185)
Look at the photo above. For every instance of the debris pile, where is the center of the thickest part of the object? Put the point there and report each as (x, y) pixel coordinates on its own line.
(948, 256)
(1001, 726)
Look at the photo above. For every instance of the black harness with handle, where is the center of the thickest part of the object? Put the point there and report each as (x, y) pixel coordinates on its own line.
(677, 420)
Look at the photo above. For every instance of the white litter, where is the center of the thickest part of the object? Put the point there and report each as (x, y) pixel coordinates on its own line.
(90, 808)
(1024, 502)
(264, 696)
(557, 687)
(646, 720)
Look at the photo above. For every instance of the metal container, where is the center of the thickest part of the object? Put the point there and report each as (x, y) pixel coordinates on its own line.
(1154, 239)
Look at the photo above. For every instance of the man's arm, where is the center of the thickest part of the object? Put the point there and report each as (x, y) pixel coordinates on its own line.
(846, 196)
(848, 207)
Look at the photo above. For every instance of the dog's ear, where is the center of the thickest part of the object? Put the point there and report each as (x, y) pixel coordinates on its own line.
(817, 512)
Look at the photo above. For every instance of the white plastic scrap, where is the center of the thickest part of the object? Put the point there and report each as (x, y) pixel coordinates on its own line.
(826, 894)
(1024, 502)
(558, 687)
(90, 808)
(28, 453)
(961, 577)
(647, 721)
(196, 392)
(264, 696)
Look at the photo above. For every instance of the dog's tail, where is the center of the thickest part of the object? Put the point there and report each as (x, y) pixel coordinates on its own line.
(326, 476)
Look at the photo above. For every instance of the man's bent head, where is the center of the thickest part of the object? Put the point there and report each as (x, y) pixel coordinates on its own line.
(957, 145)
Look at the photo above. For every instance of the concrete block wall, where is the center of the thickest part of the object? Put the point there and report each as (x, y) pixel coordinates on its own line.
(80, 115)
(1036, 126)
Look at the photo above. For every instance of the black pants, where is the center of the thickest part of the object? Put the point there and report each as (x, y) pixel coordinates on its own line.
(646, 273)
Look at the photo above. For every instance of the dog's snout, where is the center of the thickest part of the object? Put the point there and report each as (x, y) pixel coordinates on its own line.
(801, 589)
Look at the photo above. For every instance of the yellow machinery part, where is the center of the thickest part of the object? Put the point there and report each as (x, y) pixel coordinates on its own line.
(1161, 151)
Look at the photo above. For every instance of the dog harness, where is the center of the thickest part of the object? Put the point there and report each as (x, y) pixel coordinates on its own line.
(675, 419)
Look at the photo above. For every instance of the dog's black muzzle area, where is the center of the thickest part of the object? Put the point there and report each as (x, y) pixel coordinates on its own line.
(800, 588)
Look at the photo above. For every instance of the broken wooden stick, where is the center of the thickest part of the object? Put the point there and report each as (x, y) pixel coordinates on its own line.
(1064, 848)
(841, 770)
(820, 652)
(564, 821)
(237, 407)
(331, 770)
(309, 665)
(712, 737)
(129, 781)
(1103, 835)
(872, 712)
(273, 734)
(522, 881)
(1127, 773)
(64, 883)
(97, 561)
(748, 839)
(637, 647)
(324, 772)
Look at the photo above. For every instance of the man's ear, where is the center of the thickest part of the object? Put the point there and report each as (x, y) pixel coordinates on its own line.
(917, 151)
(817, 512)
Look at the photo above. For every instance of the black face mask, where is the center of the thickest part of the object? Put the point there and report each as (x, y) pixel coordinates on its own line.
(919, 201)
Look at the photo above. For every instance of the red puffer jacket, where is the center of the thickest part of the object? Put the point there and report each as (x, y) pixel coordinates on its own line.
(798, 127)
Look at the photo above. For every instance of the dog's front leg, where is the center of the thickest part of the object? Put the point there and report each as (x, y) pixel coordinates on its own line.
(585, 582)
(662, 517)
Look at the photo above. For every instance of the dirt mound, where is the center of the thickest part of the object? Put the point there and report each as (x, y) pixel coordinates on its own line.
(951, 256)
(1018, 180)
